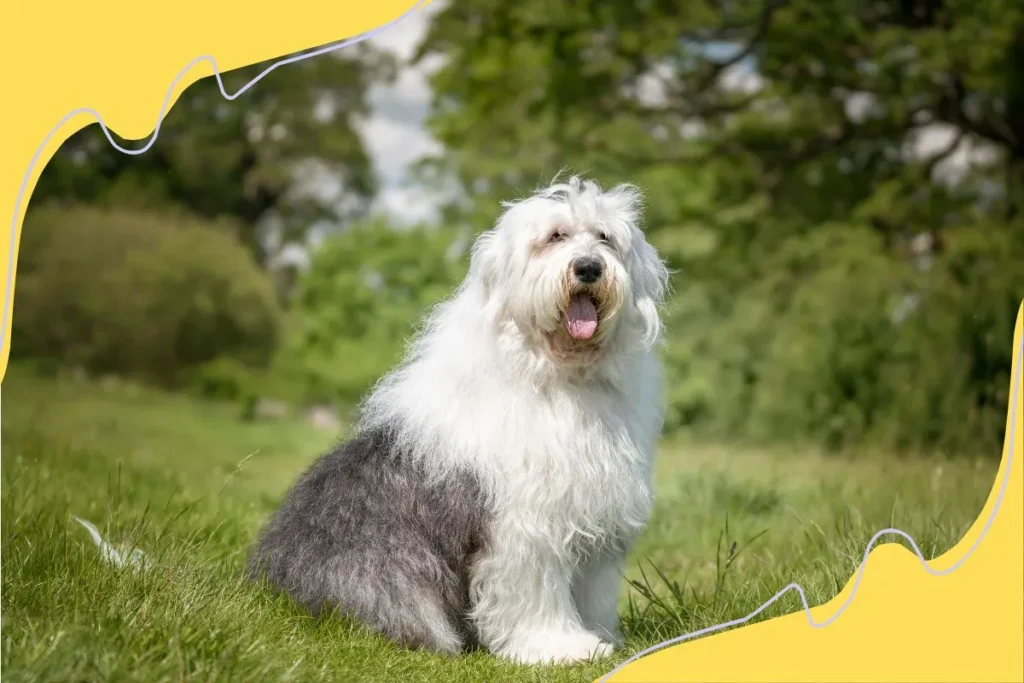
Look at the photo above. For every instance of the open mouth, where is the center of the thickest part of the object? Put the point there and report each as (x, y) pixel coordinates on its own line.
(581, 316)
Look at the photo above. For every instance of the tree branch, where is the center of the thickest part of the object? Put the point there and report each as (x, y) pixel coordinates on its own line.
(682, 110)
(942, 155)
(715, 69)
(950, 109)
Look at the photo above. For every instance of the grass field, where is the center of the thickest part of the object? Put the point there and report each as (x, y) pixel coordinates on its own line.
(191, 484)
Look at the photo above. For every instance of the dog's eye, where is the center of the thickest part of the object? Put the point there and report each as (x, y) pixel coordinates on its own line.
(556, 236)
(602, 236)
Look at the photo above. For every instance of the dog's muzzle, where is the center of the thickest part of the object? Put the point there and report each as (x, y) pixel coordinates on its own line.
(588, 269)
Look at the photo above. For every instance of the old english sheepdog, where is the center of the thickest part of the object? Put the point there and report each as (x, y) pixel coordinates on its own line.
(498, 476)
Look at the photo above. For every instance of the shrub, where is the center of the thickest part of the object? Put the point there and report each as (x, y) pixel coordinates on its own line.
(138, 293)
(949, 372)
(839, 342)
(221, 379)
(820, 376)
(359, 301)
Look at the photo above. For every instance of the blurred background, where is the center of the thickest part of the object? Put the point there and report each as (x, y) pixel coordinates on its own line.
(839, 187)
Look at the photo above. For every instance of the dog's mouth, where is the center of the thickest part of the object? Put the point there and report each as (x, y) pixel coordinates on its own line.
(581, 316)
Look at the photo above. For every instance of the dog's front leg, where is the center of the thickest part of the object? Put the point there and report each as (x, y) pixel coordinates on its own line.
(523, 606)
(596, 592)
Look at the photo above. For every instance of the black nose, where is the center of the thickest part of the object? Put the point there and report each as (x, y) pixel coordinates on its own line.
(588, 269)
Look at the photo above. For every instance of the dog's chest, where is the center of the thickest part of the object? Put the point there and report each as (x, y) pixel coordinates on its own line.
(581, 470)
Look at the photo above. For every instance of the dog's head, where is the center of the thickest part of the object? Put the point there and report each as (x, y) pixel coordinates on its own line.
(571, 269)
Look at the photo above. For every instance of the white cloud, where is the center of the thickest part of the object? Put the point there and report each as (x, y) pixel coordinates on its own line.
(395, 134)
(860, 106)
(930, 140)
(650, 87)
(403, 37)
(741, 78)
(408, 203)
(394, 145)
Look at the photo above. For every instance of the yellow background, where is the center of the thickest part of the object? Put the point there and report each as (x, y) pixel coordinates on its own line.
(119, 59)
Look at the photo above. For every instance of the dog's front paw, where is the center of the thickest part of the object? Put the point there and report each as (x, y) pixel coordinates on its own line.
(558, 648)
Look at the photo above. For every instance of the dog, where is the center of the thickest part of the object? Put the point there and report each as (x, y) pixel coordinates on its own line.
(498, 476)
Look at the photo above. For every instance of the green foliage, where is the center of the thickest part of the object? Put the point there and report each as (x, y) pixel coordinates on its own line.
(241, 158)
(358, 304)
(223, 379)
(804, 304)
(137, 293)
(820, 373)
(957, 348)
(839, 344)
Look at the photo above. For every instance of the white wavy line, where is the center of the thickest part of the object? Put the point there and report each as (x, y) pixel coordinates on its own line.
(156, 131)
(863, 565)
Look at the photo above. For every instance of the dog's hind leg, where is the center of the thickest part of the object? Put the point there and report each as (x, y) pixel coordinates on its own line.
(412, 599)
(363, 534)
(416, 619)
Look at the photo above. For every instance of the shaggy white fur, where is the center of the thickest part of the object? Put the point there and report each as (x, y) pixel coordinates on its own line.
(557, 426)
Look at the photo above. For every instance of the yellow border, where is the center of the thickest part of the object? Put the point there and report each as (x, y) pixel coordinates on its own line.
(120, 61)
(905, 625)
(895, 620)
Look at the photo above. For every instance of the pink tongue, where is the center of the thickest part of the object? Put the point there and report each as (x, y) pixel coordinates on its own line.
(581, 318)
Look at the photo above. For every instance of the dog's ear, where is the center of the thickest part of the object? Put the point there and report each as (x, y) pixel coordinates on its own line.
(650, 286)
(484, 263)
(649, 274)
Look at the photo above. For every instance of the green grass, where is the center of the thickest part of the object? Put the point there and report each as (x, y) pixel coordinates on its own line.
(191, 484)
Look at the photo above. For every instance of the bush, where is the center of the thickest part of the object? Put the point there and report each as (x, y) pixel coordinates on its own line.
(839, 342)
(949, 372)
(359, 302)
(222, 379)
(135, 293)
(820, 375)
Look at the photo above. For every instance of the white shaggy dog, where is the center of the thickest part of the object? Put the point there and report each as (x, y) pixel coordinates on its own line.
(499, 475)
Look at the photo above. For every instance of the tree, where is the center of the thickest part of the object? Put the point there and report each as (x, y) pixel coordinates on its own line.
(779, 145)
(610, 86)
(250, 160)
(362, 297)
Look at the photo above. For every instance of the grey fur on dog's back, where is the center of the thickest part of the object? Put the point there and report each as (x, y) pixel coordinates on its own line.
(363, 533)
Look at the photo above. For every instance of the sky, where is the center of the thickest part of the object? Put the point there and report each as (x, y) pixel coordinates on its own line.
(395, 134)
